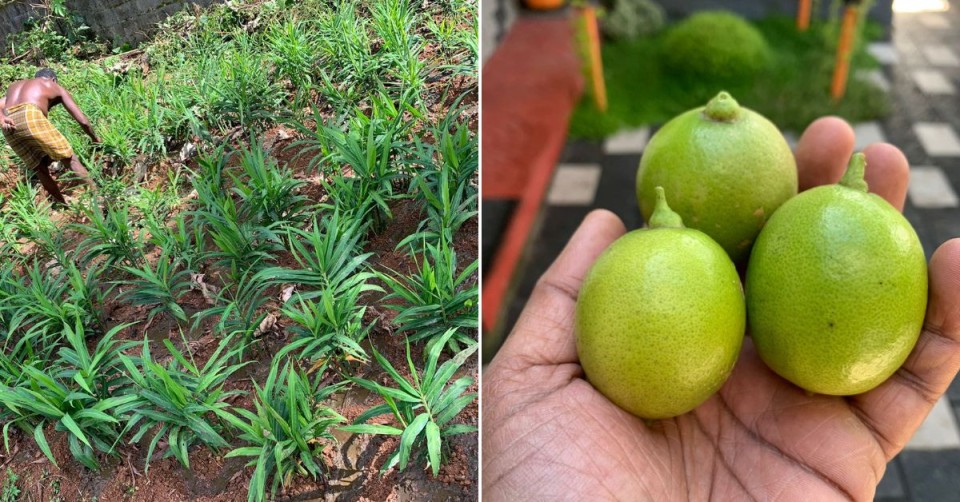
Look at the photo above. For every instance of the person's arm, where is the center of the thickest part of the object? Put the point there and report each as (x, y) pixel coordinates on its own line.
(77, 115)
(5, 121)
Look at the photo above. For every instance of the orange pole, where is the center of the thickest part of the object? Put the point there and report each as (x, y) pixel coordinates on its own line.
(803, 15)
(842, 67)
(596, 62)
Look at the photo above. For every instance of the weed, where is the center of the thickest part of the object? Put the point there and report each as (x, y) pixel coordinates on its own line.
(161, 200)
(54, 487)
(10, 492)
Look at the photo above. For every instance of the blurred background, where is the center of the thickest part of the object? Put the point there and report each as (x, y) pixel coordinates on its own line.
(572, 91)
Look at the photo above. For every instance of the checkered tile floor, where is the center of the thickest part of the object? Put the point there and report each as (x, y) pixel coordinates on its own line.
(921, 70)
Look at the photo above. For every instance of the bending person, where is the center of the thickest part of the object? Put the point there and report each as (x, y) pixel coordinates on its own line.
(23, 117)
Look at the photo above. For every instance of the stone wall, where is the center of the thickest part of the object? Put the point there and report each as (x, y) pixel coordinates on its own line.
(496, 18)
(119, 21)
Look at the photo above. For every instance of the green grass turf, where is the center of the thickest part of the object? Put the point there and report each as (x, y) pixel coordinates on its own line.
(793, 92)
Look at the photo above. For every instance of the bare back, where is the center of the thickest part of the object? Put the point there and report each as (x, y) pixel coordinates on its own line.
(41, 92)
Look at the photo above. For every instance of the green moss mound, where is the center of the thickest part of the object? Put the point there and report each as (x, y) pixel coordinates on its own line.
(715, 44)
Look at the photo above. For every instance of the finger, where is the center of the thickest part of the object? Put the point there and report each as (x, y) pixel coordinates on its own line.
(895, 409)
(823, 152)
(544, 332)
(888, 173)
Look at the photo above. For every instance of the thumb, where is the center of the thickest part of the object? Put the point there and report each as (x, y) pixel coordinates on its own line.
(544, 333)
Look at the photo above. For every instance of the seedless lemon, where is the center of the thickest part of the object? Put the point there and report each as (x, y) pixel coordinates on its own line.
(726, 168)
(836, 288)
(660, 318)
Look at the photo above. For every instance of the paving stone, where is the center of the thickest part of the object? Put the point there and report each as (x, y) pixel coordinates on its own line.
(582, 151)
(616, 189)
(496, 217)
(574, 185)
(932, 82)
(938, 431)
(867, 133)
(930, 188)
(938, 139)
(884, 52)
(876, 77)
(935, 21)
(953, 392)
(627, 142)
(791, 138)
(919, 219)
(891, 485)
(908, 54)
(943, 225)
(932, 476)
(547, 240)
(940, 55)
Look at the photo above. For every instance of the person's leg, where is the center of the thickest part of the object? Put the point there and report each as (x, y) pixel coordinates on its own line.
(43, 173)
(81, 171)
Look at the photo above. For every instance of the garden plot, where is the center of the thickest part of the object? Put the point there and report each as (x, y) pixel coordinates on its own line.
(274, 291)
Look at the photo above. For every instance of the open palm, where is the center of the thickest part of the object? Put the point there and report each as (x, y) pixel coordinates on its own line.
(549, 435)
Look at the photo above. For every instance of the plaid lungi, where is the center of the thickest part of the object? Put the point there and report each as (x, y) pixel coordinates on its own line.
(35, 137)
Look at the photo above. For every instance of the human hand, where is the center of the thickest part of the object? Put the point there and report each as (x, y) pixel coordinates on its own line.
(549, 435)
(7, 123)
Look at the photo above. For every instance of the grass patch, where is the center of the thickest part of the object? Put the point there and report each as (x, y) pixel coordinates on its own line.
(793, 92)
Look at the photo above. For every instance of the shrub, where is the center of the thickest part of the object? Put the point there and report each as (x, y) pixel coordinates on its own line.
(715, 44)
(630, 19)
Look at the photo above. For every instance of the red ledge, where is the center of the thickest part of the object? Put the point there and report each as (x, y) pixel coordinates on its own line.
(530, 87)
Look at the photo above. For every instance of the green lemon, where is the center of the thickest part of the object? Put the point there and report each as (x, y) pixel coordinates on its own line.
(836, 288)
(660, 318)
(726, 168)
